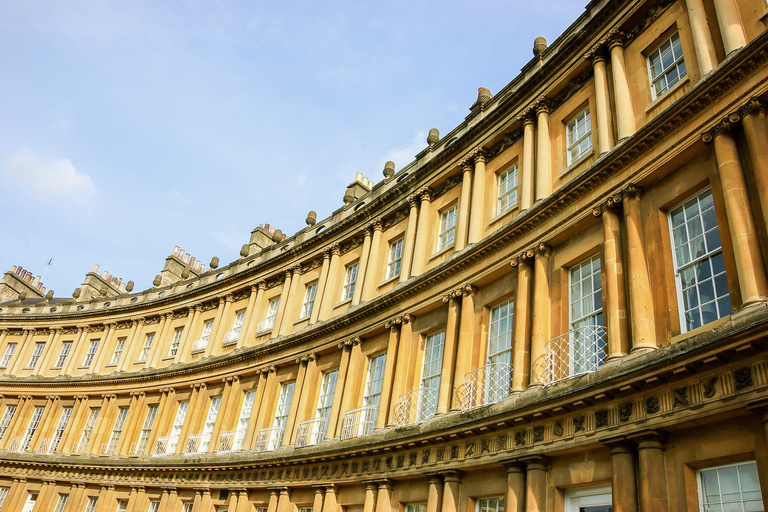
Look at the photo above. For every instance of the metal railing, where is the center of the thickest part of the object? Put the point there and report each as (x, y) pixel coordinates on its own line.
(44, 446)
(574, 353)
(161, 445)
(197, 443)
(15, 446)
(265, 325)
(269, 439)
(416, 407)
(311, 432)
(485, 386)
(231, 336)
(81, 446)
(359, 422)
(139, 448)
(200, 344)
(229, 441)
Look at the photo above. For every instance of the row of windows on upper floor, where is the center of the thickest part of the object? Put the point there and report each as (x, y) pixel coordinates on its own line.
(701, 284)
(702, 293)
(722, 487)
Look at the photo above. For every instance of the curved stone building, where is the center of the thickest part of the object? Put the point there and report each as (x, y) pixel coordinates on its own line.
(558, 306)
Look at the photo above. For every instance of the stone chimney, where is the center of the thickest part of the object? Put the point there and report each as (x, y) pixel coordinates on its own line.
(18, 280)
(100, 285)
(357, 189)
(180, 265)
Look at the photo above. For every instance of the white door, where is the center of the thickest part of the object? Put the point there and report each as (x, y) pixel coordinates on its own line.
(30, 503)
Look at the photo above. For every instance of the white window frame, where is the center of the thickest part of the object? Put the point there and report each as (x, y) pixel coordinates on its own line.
(374, 383)
(9, 350)
(584, 497)
(507, 189)
(350, 279)
(90, 424)
(93, 347)
(61, 427)
(662, 75)
(122, 506)
(415, 507)
(497, 501)
(447, 232)
(61, 502)
(309, 300)
(283, 408)
(178, 424)
(154, 506)
(3, 495)
(66, 348)
(246, 409)
(5, 421)
(117, 354)
(395, 259)
(29, 505)
(700, 483)
(32, 426)
(574, 138)
(269, 319)
(146, 429)
(36, 353)
(187, 506)
(149, 339)
(174, 349)
(117, 429)
(210, 423)
(707, 258)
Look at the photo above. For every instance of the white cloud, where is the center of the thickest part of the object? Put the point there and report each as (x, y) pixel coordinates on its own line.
(402, 156)
(48, 179)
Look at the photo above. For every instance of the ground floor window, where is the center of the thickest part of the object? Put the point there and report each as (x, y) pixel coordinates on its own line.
(589, 499)
(490, 504)
(730, 488)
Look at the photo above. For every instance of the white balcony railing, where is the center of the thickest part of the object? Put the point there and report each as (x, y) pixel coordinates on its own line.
(199, 345)
(269, 439)
(44, 446)
(197, 443)
(15, 446)
(574, 353)
(266, 325)
(231, 336)
(231, 441)
(81, 446)
(139, 448)
(485, 386)
(311, 432)
(359, 422)
(416, 407)
(161, 445)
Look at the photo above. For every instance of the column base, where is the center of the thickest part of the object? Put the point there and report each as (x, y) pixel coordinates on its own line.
(643, 349)
(614, 358)
(750, 305)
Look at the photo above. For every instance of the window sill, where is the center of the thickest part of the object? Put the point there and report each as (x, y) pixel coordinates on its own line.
(229, 343)
(110, 365)
(139, 362)
(506, 213)
(302, 319)
(52, 367)
(264, 331)
(393, 278)
(28, 368)
(344, 302)
(168, 358)
(83, 367)
(706, 327)
(442, 251)
(193, 352)
(578, 161)
(655, 103)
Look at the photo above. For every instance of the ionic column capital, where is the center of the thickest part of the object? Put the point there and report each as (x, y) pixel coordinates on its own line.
(543, 249)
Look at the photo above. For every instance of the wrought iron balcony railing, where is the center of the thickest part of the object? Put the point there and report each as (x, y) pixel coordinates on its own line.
(359, 422)
(44, 446)
(161, 447)
(311, 432)
(198, 443)
(231, 441)
(486, 385)
(574, 353)
(15, 446)
(416, 407)
(269, 439)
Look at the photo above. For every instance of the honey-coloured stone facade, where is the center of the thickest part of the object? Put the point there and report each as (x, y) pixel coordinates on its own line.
(561, 304)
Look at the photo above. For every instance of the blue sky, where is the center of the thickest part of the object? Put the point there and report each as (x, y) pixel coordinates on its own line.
(127, 128)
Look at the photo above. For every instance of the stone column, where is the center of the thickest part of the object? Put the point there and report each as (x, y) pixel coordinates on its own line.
(760, 408)
(53, 336)
(135, 408)
(51, 406)
(186, 334)
(205, 502)
(249, 314)
(369, 505)
(640, 299)
(226, 409)
(623, 481)
(536, 485)
(251, 323)
(731, 27)
(329, 504)
(382, 419)
(197, 500)
(272, 506)
(66, 439)
(164, 416)
(133, 345)
(369, 283)
(702, 36)
(103, 422)
(602, 101)
(384, 498)
(420, 247)
(624, 112)
(159, 345)
(321, 284)
(43, 496)
(362, 266)
(106, 346)
(466, 334)
(164, 499)
(410, 237)
(541, 306)
(21, 350)
(477, 208)
(284, 297)
(404, 363)
(451, 488)
(130, 507)
(299, 390)
(435, 494)
(754, 121)
(243, 505)
(521, 347)
(11, 496)
(329, 292)
(515, 495)
(615, 301)
(543, 150)
(284, 500)
(450, 352)
(341, 381)
(173, 500)
(527, 184)
(317, 503)
(217, 336)
(82, 338)
(353, 379)
(746, 247)
(71, 499)
(650, 465)
(231, 500)
(462, 222)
